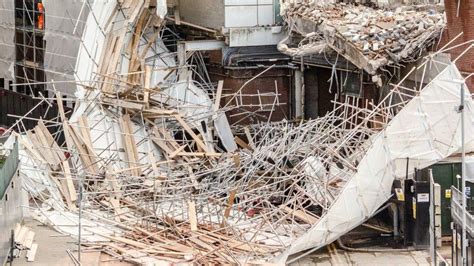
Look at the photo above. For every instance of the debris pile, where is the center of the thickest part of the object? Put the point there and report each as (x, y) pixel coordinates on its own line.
(382, 37)
(25, 244)
(148, 169)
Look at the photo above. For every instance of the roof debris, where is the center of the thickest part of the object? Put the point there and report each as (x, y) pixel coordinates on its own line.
(370, 38)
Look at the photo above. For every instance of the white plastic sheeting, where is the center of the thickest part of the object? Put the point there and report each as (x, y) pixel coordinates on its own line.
(426, 130)
(7, 35)
(34, 174)
(92, 43)
(107, 140)
(64, 25)
(470, 168)
(161, 8)
(189, 100)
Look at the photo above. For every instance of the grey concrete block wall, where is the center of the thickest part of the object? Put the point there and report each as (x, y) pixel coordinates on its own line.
(10, 213)
(207, 13)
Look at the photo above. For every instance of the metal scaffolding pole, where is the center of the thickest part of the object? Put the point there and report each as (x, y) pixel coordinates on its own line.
(463, 180)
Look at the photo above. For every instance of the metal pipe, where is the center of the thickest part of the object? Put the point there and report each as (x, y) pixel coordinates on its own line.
(344, 247)
(81, 194)
(355, 71)
(259, 67)
(463, 180)
(396, 232)
(248, 77)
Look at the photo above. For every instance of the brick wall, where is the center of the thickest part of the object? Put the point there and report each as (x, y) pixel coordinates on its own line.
(463, 23)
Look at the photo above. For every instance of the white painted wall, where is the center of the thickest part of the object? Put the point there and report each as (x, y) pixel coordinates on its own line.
(244, 22)
(249, 13)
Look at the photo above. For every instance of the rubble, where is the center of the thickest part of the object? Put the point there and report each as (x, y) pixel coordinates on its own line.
(368, 37)
(25, 243)
(148, 169)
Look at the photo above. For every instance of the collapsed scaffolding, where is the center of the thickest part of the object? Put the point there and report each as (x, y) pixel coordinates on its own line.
(148, 169)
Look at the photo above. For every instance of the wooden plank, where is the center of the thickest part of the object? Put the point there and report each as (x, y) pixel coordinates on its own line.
(122, 103)
(146, 93)
(29, 239)
(227, 210)
(192, 216)
(20, 238)
(84, 129)
(129, 145)
(162, 144)
(302, 215)
(217, 100)
(30, 255)
(148, 72)
(115, 203)
(188, 129)
(30, 149)
(166, 136)
(249, 137)
(51, 142)
(154, 166)
(48, 154)
(62, 187)
(242, 143)
(83, 154)
(236, 158)
(211, 248)
(95, 162)
(193, 177)
(177, 152)
(85, 137)
(200, 154)
(175, 246)
(177, 16)
(16, 231)
(62, 114)
(161, 112)
(68, 179)
(110, 40)
(39, 148)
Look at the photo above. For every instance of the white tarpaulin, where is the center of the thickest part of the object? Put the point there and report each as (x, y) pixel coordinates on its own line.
(7, 35)
(426, 131)
(64, 25)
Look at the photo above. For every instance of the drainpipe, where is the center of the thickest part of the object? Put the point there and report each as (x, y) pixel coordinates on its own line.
(298, 94)
(303, 88)
(396, 232)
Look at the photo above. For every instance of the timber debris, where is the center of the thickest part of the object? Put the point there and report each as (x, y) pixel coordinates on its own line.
(148, 169)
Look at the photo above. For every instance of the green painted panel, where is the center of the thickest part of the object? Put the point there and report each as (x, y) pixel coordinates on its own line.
(443, 174)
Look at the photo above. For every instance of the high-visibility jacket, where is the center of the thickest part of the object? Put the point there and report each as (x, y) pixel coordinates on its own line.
(40, 16)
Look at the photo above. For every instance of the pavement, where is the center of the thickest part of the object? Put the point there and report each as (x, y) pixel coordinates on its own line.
(332, 256)
(365, 258)
(52, 248)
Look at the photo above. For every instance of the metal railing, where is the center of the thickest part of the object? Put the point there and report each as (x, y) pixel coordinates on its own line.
(8, 169)
(456, 210)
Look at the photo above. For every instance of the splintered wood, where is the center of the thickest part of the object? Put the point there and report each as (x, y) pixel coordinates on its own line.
(157, 182)
(175, 198)
(24, 241)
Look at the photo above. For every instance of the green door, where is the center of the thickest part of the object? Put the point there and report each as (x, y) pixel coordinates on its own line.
(445, 175)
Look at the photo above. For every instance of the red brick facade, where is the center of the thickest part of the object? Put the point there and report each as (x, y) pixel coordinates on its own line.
(463, 23)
